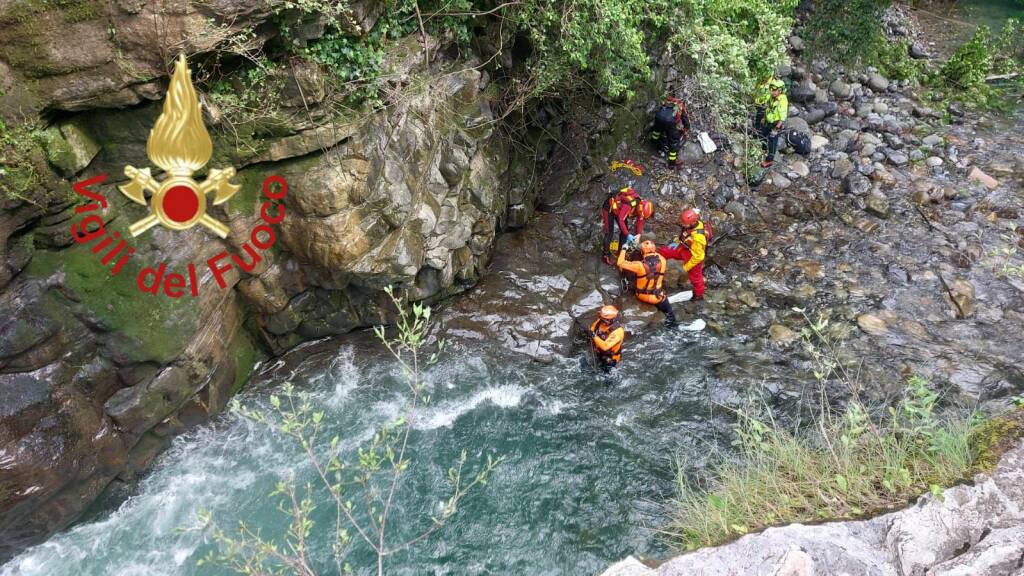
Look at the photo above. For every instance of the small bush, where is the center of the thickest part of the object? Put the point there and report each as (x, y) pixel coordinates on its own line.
(965, 75)
(846, 465)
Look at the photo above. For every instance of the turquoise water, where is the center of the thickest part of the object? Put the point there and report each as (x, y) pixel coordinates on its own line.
(991, 13)
(589, 462)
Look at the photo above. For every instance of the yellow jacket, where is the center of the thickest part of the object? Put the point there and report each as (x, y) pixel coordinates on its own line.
(696, 243)
(778, 110)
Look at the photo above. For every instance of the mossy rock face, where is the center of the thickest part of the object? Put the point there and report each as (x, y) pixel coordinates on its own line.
(993, 438)
(69, 147)
(134, 326)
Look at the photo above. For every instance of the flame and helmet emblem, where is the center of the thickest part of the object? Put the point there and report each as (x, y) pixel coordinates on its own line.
(180, 145)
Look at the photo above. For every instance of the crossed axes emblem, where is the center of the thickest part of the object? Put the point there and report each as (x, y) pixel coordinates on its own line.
(179, 202)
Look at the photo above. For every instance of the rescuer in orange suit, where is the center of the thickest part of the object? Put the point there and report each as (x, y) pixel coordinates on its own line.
(607, 335)
(650, 277)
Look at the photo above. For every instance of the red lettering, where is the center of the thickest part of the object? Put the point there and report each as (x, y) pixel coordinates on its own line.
(218, 271)
(254, 258)
(174, 284)
(255, 236)
(81, 233)
(282, 190)
(192, 280)
(83, 189)
(157, 274)
(267, 218)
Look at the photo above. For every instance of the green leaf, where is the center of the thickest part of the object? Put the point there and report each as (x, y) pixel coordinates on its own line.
(841, 482)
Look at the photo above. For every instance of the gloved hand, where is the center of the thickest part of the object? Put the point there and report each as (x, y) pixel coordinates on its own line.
(630, 239)
(674, 245)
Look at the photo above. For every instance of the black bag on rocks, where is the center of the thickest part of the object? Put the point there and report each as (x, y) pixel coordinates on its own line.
(800, 142)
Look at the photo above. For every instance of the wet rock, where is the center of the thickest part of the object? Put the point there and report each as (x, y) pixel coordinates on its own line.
(977, 175)
(920, 197)
(876, 203)
(925, 112)
(856, 184)
(781, 335)
(749, 298)
(738, 210)
(842, 167)
(956, 109)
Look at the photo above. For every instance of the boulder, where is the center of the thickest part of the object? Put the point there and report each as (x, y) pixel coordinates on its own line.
(798, 124)
(840, 89)
(692, 153)
(802, 93)
(877, 82)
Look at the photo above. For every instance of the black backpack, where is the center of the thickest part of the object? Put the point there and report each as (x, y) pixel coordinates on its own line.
(800, 142)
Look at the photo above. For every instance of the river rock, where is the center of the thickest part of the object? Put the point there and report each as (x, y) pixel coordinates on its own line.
(877, 204)
(932, 140)
(796, 44)
(797, 123)
(933, 161)
(896, 157)
(692, 153)
(872, 324)
(977, 175)
(841, 167)
(877, 82)
(917, 51)
(802, 93)
(840, 89)
(781, 335)
(814, 116)
(800, 168)
(780, 181)
(856, 184)
(818, 142)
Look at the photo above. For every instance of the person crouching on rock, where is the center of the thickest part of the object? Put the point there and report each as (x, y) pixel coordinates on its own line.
(771, 120)
(607, 335)
(690, 247)
(650, 278)
(671, 124)
(616, 211)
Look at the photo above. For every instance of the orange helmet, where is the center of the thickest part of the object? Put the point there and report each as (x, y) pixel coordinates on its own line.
(646, 209)
(609, 312)
(647, 247)
(688, 218)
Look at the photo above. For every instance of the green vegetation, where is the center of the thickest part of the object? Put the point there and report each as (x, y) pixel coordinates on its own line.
(144, 327)
(965, 75)
(365, 494)
(846, 30)
(845, 465)
(24, 174)
(730, 46)
(993, 437)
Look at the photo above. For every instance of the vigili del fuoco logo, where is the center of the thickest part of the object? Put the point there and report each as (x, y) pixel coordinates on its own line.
(179, 145)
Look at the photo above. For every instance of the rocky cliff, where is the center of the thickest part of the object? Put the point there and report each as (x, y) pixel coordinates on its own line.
(95, 376)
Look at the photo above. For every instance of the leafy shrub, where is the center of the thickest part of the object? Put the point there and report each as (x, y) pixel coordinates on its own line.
(966, 72)
(730, 45)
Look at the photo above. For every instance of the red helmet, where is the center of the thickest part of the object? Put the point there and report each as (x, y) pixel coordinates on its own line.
(609, 312)
(647, 247)
(646, 209)
(688, 218)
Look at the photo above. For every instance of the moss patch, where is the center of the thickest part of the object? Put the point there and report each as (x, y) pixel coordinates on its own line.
(138, 326)
(245, 354)
(993, 438)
